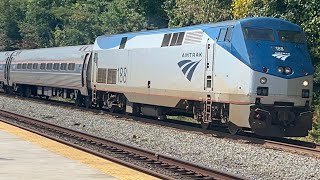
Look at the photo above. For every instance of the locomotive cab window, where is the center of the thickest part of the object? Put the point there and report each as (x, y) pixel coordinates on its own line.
(291, 36)
(258, 34)
(71, 66)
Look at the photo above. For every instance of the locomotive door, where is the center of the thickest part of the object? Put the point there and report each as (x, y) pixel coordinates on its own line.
(7, 69)
(84, 74)
(209, 60)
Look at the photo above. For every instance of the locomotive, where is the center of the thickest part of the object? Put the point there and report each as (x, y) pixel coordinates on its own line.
(251, 73)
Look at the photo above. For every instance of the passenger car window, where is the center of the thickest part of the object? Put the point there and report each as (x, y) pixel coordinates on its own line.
(258, 34)
(56, 66)
(19, 66)
(71, 66)
(291, 36)
(29, 66)
(43, 66)
(24, 66)
(49, 66)
(63, 66)
(35, 66)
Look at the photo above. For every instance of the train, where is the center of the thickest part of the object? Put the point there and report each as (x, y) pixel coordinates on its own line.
(253, 73)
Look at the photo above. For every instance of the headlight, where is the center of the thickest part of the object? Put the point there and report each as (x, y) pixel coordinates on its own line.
(263, 80)
(288, 70)
(280, 70)
(305, 83)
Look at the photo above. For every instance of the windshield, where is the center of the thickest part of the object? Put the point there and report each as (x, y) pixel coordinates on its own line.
(291, 36)
(258, 34)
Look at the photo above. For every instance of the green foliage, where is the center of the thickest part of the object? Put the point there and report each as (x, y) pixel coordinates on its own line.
(314, 134)
(155, 13)
(37, 27)
(189, 12)
(123, 16)
(241, 8)
(80, 23)
(11, 13)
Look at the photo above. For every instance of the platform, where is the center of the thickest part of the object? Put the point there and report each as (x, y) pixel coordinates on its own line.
(40, 158)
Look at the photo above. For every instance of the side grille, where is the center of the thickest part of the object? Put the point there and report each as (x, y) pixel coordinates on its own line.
(194, 37)
(102, 75)
(112, 76)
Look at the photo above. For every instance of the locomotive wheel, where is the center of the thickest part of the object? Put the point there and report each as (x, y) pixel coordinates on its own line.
(205, 125)
(8, 90)
(112, 109)
(233, 129)
(100, 104)
(162, 117)
(78, 100)
(87, 102)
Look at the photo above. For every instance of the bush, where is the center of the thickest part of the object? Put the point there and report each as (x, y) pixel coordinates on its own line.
(314, 134)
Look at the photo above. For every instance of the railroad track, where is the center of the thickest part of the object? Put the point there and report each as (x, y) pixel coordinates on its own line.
(143, 160)
(284, 144)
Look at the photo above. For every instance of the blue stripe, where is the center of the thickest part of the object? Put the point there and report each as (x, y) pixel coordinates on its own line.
(190, 74)
(185, 69)
(183, 62)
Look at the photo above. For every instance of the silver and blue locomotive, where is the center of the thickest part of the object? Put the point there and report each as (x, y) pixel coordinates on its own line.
(251, 73)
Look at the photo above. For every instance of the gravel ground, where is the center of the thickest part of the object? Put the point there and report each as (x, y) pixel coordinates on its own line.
(246, 160)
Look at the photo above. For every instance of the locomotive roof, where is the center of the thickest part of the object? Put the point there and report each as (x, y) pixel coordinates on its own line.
(253, 21)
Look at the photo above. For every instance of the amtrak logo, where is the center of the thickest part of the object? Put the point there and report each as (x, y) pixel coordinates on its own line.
(188, 67)
(281, 55)
(280, 52)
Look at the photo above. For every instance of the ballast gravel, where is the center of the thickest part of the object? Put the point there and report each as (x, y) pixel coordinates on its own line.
(249, 161)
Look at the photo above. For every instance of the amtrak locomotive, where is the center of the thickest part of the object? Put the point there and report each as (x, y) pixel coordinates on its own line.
(251, 73)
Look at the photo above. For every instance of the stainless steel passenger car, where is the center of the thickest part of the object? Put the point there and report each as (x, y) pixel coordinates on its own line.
(4, 58)
(48, 72)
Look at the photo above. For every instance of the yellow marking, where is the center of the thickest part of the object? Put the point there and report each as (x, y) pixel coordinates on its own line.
(105, 166)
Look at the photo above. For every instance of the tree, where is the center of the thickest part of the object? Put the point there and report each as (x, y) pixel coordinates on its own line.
(189, 12)
(123, 16)
(81, 22)
(39, 23)
(11, 13)
(155, 13)
(241, 8)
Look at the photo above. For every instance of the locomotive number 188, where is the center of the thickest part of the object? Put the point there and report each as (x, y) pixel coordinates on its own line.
(122, 74)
